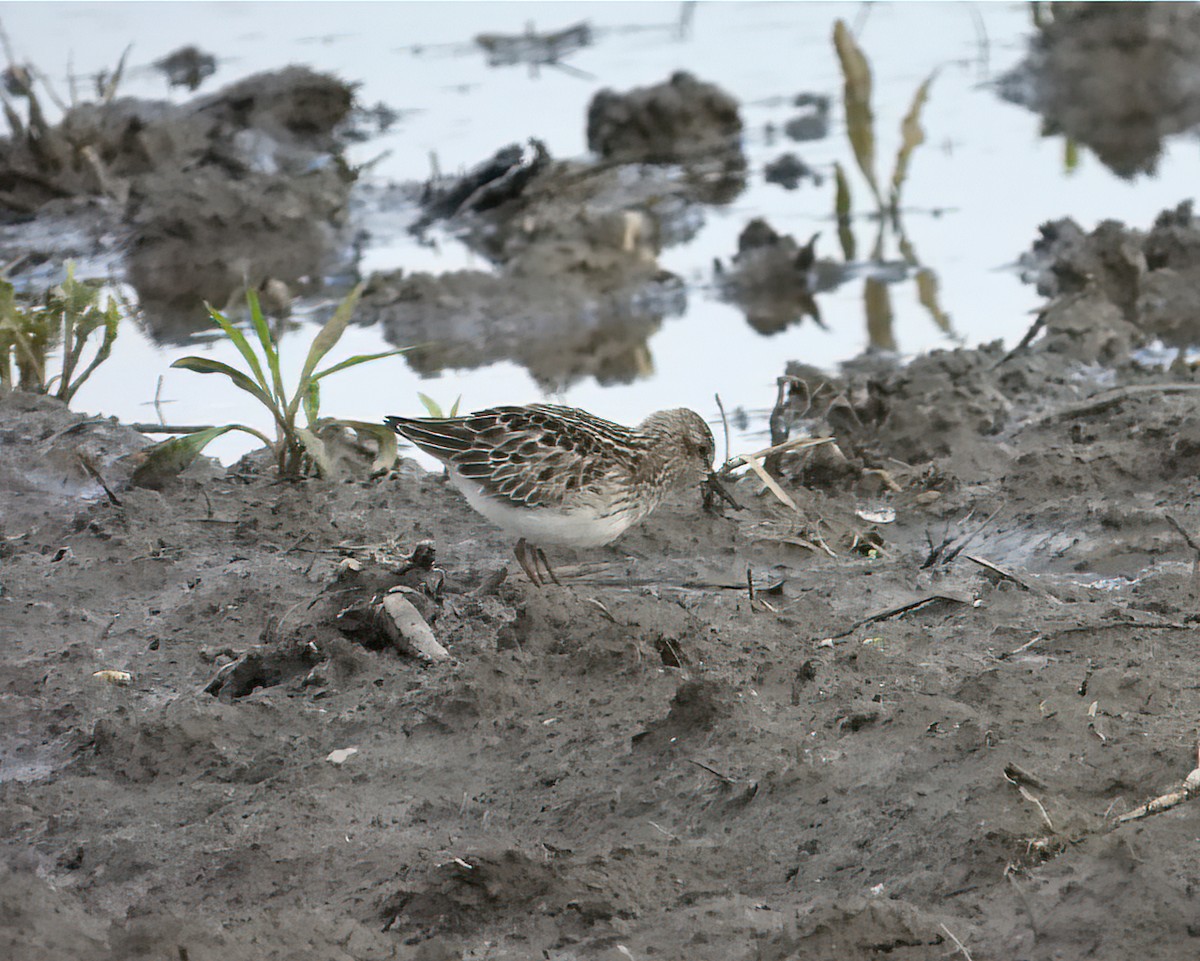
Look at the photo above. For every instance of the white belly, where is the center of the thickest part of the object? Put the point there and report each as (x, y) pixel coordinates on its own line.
(581, 527)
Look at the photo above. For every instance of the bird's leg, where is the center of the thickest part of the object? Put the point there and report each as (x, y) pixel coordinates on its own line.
(540, 555)
(522, 554)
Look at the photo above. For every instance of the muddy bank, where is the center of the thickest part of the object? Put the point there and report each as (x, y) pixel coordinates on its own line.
(913, 731)
(1143, 284)
(240, 187)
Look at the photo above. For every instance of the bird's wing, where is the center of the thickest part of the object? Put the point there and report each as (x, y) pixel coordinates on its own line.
(536, 456)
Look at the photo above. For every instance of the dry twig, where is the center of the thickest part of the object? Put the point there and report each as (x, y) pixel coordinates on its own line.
(901, 609)
(770, 482)
(1187, 539)
(958, 944)
(1017, 579)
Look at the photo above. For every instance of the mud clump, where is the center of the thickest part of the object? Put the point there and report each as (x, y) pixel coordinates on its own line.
(670, 122)
(278, 119)
(188, 66)
(1118, 288)
(682, 121)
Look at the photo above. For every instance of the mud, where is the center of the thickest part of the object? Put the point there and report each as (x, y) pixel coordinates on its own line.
(902, 716)
(911, 730)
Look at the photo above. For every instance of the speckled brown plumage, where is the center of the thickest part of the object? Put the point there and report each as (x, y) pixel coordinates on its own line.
(559, 475)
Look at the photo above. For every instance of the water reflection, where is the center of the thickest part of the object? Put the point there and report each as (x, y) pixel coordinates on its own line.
(775, 281)
(1117, 77)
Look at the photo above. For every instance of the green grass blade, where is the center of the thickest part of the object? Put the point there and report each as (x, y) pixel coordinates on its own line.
(330, 334)
(454, 406)
(244, 348)
(203, 365)
(322, 344)
(170, 457)
(71, 345)
(432, 407)
(111, 318)
(270, 349)
(358, 359)
(312, 402)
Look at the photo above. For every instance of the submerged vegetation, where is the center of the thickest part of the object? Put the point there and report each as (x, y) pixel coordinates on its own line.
(298, 449)
(31, 334)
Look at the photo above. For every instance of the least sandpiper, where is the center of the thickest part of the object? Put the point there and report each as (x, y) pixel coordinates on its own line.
(558, 475)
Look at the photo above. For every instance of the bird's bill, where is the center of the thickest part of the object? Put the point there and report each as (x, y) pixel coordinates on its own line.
(714, 488)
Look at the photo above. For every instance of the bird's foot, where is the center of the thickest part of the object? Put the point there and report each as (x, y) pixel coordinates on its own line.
(531, 558)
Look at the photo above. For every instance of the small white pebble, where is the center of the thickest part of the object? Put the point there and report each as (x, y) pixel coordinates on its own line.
(341, 755)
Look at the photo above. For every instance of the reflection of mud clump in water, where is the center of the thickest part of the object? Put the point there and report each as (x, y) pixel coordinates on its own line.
(555, 327)
(773, 279)
(187, 67)
(789, 171)
(1115, 76)
(257, 195)
(243, 184)
(1116, 288)
(813, 124)
(683, 121)
(577, 291)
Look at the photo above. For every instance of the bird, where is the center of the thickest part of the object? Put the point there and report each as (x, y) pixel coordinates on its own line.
(561, 476)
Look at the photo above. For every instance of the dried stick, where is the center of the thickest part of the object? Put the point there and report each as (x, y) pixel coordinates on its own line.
(796, 443)
(958, 944)
(771, 483)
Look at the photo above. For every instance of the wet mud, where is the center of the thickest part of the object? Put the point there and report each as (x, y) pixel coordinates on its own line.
(905, 706)
(911, 732)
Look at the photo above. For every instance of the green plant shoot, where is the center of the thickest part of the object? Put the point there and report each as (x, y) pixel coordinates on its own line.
(434, 409)
(297, 448)
(29, 336)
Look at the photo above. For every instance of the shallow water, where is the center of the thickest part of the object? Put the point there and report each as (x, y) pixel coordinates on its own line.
(978, 187)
